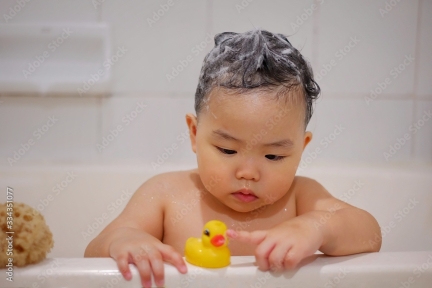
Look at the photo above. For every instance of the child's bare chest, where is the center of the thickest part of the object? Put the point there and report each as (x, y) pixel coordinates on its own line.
(185, 217)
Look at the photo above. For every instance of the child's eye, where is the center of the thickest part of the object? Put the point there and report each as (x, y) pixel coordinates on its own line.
(274, 157)
(226, 151)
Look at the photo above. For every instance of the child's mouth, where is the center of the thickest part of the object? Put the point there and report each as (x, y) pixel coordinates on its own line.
(245, 195)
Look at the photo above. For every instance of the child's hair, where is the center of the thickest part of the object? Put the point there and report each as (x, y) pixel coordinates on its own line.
(256, 59)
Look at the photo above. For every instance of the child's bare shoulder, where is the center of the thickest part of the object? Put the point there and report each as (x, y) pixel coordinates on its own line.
(302, 183)
(150, 201)
(167, 184)
(311, 195)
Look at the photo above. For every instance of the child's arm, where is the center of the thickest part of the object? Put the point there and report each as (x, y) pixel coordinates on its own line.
(346, 229)
(323, 222)
(135, 236)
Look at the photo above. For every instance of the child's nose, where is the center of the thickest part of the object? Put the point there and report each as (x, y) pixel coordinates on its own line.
(248, 170)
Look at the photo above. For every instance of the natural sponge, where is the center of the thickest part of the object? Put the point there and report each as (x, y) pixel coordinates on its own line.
(32, 239)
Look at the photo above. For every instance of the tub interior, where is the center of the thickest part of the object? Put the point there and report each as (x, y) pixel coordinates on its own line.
(78, 201)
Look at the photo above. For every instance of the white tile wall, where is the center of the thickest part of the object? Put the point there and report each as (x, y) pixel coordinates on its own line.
(153, 51)
(47, 11)
(381, 44)
(424, 86)
(158, 129)
(421, 126)
(349, 129)
(28, 134)
(158, 44)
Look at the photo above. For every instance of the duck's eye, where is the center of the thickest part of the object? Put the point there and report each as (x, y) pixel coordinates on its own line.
(207, 232)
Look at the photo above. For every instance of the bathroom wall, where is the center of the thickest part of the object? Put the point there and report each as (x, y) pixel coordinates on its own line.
(370, 59)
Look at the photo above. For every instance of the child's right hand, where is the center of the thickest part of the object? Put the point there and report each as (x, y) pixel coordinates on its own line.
(147, 253)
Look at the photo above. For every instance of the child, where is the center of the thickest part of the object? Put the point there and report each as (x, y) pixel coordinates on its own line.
(253, 102)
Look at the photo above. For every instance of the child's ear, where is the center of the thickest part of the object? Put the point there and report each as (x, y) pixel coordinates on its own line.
(307, 138)
(191, 121)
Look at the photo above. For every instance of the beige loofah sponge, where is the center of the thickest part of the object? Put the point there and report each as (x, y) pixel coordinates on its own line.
(32, 239)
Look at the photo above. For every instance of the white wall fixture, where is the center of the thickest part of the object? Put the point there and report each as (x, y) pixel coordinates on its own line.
(55, 58)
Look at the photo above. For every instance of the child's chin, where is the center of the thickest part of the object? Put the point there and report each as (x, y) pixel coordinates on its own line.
(245, 207)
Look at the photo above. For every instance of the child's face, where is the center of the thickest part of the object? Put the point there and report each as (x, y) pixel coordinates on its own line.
(251, 142)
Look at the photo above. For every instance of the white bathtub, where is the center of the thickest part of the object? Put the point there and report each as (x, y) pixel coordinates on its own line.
(375, 270)
(78, 201)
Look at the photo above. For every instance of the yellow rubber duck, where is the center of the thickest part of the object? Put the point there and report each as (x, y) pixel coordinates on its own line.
(211, 250)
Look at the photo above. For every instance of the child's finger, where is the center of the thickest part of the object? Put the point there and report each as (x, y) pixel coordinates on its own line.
(276, 258)
(144, 270)
(172, 256)
(123, 266)
(254, 237)
(157, 266)
(262, 254)
(292, 259)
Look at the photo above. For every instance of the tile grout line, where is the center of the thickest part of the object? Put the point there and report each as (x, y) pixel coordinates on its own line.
(99, 12)
(209, 12)
(101, 102)
(416, 75)
(315, 34)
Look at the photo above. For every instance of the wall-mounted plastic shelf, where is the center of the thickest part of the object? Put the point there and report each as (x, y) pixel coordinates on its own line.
(55, 58)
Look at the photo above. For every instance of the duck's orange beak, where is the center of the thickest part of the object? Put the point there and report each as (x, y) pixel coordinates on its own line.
(218, 240)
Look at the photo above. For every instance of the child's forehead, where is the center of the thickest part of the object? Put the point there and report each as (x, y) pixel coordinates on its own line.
(292, 98)
(238, 115)
(257, 107)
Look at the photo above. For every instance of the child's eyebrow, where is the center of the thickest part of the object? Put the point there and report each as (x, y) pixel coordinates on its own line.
(281, 143)
(287, 143)
(221, 134)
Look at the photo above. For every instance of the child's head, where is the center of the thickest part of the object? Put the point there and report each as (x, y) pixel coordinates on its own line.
(256, 60)
(253, 103)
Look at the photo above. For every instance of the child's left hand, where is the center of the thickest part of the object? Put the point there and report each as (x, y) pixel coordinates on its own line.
(284, 245)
